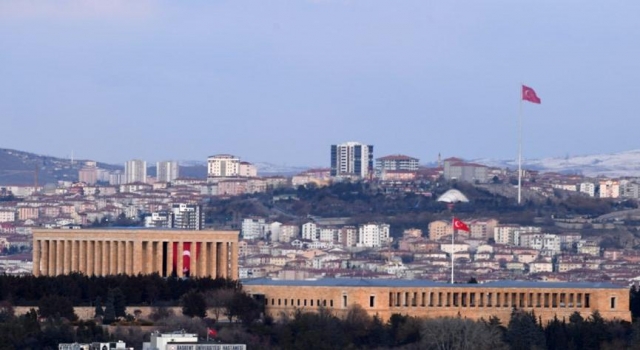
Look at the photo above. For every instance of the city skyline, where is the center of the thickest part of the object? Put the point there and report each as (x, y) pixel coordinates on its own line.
(279, 82)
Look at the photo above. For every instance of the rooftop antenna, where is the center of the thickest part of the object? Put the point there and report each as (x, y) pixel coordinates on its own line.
(452, 197)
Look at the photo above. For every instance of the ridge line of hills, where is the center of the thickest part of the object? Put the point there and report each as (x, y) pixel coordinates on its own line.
(19, 167)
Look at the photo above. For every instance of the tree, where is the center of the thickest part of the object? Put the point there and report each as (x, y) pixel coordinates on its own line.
(119, 302)
(193, 304)
(523, 332)
(109, 312)
(243, 307)
(99, 311)
(56, 306)
(461, 334)
(218, 300)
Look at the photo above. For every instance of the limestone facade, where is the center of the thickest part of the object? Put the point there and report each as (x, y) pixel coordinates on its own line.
(103, 252)
(431, 299)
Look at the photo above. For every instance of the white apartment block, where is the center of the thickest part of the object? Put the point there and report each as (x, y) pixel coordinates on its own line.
(135, 170)
(253, 228)
(288, 233)
(609, 189)
(455, 248)
(588, 188)
(273, 231)
(328, 234)
(510, 234)
(541, 241)
(223, 165)
(310, 231)
(373, 235)
(7, 215)
(167, 171)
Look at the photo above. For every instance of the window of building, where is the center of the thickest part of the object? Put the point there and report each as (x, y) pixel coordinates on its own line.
(372, 301)
(587, 298)
(331, 303)
(613, 302)
(311, 302)
(279, 302)
(344, 300)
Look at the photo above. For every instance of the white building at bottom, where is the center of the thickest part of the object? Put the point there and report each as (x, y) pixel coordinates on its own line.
(373, 235)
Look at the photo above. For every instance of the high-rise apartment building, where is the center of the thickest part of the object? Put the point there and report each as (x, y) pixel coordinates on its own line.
(223, 165)
(351, 159)
(135, 171)
(187, 216)
(167, 171)
(88, 173)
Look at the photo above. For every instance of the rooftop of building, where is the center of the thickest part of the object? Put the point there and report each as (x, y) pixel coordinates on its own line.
(358, 282)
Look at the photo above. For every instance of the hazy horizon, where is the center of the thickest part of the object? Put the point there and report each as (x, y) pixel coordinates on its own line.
(279, 82)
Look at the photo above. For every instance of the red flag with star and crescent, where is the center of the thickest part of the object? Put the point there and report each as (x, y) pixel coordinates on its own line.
(459, 225)
(528, 94)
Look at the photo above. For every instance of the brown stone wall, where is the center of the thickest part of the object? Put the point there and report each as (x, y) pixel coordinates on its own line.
(469, 302)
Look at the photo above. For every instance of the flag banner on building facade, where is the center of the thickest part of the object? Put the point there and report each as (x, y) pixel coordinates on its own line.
(528, 94)
(459, 225)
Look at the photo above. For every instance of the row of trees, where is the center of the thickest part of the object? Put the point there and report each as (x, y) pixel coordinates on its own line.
(84, 290)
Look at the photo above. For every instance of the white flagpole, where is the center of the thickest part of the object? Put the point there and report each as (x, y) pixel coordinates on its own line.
(453, 233)
(520, 149)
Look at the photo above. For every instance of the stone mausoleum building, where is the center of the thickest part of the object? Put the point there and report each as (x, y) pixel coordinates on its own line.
(435, 299)
(102, 252)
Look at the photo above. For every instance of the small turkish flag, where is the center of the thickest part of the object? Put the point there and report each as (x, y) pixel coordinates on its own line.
(212, 332)
(529, 95)
(459, 225)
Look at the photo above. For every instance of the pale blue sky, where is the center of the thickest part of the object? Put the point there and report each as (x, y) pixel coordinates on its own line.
(279, 81)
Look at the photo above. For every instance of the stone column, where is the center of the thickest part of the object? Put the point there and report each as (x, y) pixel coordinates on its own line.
(223, 260)
(97, 258)
(36, 258)
(203, 267)
(45, 257)
(158, 258)
(82, 256)
(213, 260)
(138, 257)
(113, 256)
(121, 256)
(169, 259)
(130, 259)
(59, 257)
(234, 260)
(68, 255)
(193, 269)
(89, 256)
(179, 255)
(52, 258)
(75, 255)
(104, 266)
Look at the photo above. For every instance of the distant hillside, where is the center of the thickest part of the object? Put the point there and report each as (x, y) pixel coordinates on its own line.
(619, 164)
(19, 168)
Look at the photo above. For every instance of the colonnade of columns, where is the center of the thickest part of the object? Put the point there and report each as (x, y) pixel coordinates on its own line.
(128, 256)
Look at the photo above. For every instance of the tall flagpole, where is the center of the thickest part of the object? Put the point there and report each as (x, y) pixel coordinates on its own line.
(453, 233)
(520, 150)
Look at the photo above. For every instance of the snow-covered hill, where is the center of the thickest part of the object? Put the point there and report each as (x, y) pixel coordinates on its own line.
(625, 163)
